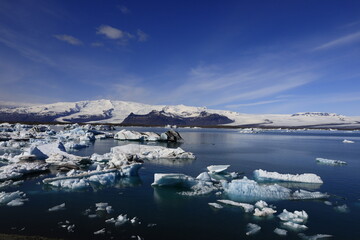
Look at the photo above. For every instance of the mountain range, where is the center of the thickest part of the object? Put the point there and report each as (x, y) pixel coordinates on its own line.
(131, 113)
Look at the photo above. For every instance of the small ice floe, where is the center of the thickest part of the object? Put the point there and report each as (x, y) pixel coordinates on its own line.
(204, 176)
(280, 232)
(215, 205)
(294, 226)
(12, 198)
(57, 208)
(19, 170)
(173, 179)
(296, 216)
(342, 208)
(101, 231)
(67, 225)
(10, 183)
(246, 206)
(152, 152)
(249, 189)
(262, 209)
(137, 237)
(121, 220)
(101, 206)
(262, 175)
(328, 203)
(135, 220)
(314, 237)
(252, 228)
(217, 168)
(348, 141)
(151, 225)
(330, 161)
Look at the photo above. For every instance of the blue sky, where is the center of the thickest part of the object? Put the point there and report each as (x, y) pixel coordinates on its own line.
(246, 56)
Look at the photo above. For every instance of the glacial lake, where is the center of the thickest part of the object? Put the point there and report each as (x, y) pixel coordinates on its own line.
(164, 214)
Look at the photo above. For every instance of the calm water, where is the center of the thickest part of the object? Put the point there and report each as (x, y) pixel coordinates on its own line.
(179, 217)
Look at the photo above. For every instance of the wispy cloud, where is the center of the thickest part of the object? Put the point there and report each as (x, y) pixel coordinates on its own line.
(112, 33)
(348, 39)
(68, 39)
(97, 44)
(142, 37)
(123, 9)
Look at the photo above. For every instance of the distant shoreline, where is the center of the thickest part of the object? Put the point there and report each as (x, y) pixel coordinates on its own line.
(309, 127)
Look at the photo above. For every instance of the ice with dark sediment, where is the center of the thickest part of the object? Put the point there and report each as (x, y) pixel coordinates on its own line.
(262, 175)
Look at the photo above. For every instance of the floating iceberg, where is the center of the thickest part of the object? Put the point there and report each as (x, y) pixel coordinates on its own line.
(19, 170)
(330, 161)
(251, 190)
(348, 141)
(280, 232)
(262, 175)
(252, 228)
(294, 226)
(296, 216)
(173, 179)
(266, 211)
(12, 198)
(247, 207)
(57, 208)
(217, 168)
(101, 231)
(215, 205)
(314, 237)
(152, 152)
(129, 135)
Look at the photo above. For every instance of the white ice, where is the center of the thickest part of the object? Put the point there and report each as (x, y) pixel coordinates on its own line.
(101, 231)
(152, 152)
(294, 226)
(217, 168)
(280, 232)
(57, 208)
(215, 205)
(246, 206)
(266, 211)
(314, 237)
(262, 175)
(173, 179)
(252, 228)
(296, 216)
(348, 141)
(330, 161)
(7, 197)
(18, 170)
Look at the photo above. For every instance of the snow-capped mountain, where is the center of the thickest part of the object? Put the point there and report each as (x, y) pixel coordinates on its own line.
(121, 112)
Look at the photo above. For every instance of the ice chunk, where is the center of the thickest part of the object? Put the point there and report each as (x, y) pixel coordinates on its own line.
(250, 190)
(296, 216)
(18, 170)
(151, 136)
(261, 204)
(217, 168)
(152, 152)
(281, 232)
(6, 197)
(262, 175)
(121, 219)
(57, 208)
(330, 161)
(252, 228)
(129, 135)
(294, 226)
(101, 231)
(16, 202)
(215, 205)
(266, 211)
(314, 237)
(200, 188)
(348, 141)
(101, 206)
(173, 179)
(342, 208)
(246, 206)
(204, 177)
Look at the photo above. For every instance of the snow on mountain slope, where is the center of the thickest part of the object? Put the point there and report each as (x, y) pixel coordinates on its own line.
(107, 111)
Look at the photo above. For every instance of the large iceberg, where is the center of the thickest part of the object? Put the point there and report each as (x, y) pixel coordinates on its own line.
(152, 152)
(262, 175)
(251, 190)
(173, 179)
(217, 168)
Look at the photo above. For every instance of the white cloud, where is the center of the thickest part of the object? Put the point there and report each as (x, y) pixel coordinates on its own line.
(124, 9)
(111, 32)
(340, 41)
(97, 44)
(253, 103)
(69, 39)
(142, 37)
